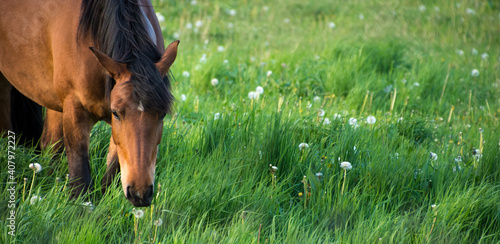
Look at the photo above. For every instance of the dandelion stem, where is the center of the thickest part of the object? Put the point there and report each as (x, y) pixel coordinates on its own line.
(451, 113)
(343, 183)
(433, 223)
(364, 101)
(32, 182)
(444, 86)
(24, 188)
(394, 99)
(258, 236)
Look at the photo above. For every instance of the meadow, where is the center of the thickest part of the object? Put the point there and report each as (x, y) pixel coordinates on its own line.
(272, 96)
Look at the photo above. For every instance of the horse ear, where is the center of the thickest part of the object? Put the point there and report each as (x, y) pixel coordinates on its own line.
(114, 68)
(168, 58)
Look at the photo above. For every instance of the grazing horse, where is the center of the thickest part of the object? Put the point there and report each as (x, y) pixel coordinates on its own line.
(87, 61)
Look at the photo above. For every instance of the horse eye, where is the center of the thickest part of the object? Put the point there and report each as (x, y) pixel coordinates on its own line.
(162, 116)
(115, 114)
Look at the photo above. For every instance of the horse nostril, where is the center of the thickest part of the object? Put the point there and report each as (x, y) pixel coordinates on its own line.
(149, 193)
(128, 192)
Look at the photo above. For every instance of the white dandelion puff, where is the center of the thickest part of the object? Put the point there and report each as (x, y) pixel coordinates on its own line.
(214, 82)
(198, 23)
(303, 145)
(259, 90)
(138, 213)
(253, 95)
(371, 120)
(321, 112)
(220, 48)
(183, 97)
(421, 8)
(331, 25)
(189, 26)
(158, 222)
(353, 121)
(185, 74)
(326, 121)
(474, 51)
(36, 167)
(433, 156)
(316, 99)
(269, 73)
(216, 116)
(475, 73)
(160, 17)
(232, 12)
(346, 165)
(34, 199)
(484, 56)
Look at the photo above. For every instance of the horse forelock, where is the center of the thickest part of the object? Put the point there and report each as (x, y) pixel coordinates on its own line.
(117, 28)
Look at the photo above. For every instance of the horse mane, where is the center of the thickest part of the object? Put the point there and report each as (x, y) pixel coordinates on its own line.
(117, 29)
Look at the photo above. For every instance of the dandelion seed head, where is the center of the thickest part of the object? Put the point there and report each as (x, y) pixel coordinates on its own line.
(303, 145)
(189, 26)
(259, 90)
(220, 49)
(433, 156)
(346, 165)
(185, 74)
(269, 73)
(214, 81)
(371, 120)
(475, 73)
(321, 112)
(34, 199)
(158, 222)
(326, 121)
(36, 167)
(183, 97)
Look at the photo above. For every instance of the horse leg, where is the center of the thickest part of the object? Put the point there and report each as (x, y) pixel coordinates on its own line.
(77, 124)
(52, 136)
(113, 167)
(5, 122)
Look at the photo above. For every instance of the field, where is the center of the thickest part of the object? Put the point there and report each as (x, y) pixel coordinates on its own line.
(407, 92)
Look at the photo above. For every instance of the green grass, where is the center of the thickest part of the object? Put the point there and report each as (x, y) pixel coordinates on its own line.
(216, 185)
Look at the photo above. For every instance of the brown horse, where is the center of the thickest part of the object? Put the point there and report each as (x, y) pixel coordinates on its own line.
(87, 61)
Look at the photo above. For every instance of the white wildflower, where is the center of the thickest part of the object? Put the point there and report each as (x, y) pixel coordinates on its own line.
(138, 213)
(214, 82)
(316, 99)
(176, 35)
(34, 199)
(203, 58)
(470, 11)
(253, 95)
(36, 167)
(189, 26)
(331, 25)
(346, 165)
(259, 90)
(321, 112)
(337, 117)
(158, 222)
(220, 48)
(475, 73)
(303, 145)
(433, 156)
(232, 12)
(474, 51)
(269, 73)
(353, 121)
(185, 74)
(421, 8)
(198, 23)
(160, 17)
(460, 52)
(484, 56)
(326, 121)
(183, 97)
(371, 120)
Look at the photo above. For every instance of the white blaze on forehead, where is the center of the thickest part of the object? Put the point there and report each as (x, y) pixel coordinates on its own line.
(140, 107)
